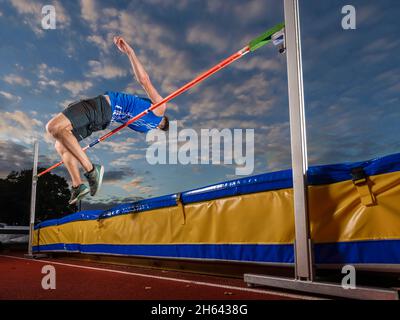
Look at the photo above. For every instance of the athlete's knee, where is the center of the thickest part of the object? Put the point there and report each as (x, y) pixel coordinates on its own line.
(51, 127)
(54, 128)
(59, 148)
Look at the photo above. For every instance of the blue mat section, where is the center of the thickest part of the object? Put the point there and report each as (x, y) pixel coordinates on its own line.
(245, 252)
(317, 175)
(78, 216)
(327, 174)
(373, 251)
(362, 252)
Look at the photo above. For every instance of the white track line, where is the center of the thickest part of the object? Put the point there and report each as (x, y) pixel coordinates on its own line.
(200, 283)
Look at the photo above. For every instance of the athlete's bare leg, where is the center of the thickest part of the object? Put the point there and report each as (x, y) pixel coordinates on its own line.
(71, 163)
(60, 128)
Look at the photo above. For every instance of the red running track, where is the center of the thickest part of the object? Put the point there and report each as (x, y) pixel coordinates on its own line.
(20, 279)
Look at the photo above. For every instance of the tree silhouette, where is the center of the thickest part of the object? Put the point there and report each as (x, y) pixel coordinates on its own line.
(15, 197)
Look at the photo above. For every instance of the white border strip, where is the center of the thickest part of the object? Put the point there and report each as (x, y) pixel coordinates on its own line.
(200, 283)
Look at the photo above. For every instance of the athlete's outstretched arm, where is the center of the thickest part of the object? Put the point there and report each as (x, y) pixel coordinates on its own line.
(141, 75)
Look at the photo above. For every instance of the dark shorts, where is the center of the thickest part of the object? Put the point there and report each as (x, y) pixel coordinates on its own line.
(88, 116)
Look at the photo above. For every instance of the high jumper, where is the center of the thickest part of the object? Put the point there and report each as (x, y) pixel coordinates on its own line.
(80, 119)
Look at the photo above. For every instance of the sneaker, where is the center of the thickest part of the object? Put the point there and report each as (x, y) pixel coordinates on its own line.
(78, 193)
(95, 178)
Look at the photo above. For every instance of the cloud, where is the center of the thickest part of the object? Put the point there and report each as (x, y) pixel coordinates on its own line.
(104, 203)
(272, 146)
(205, 35)
(63, 20)
(63, 104)
(89, 13)
(259, 63)
(395, 88)
(124, 161)
(253, 10)
(27, 7)
(379, 50)
(255, 96)
(13, 157)
(121, 146)
(19, 126)
(16, 80)
(76, 87)
(177, 4)
(137, 184)
(105, 70)
(10, 96)
(389, 76)
(100, 42)
(45, 74)
(45, 69)
(116, 176)
(243, 11)
(384, 44)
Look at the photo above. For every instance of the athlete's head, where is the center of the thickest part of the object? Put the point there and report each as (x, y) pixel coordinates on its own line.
(164, 124)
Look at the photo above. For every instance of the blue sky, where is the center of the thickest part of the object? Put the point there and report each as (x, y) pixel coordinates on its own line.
(351, 80)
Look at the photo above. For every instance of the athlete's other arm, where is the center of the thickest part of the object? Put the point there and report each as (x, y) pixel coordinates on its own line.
(141, 75)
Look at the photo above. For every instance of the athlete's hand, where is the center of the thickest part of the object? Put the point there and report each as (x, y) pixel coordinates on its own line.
(122, 45)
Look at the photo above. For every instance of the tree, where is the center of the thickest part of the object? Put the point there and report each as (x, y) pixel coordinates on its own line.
(15, 197)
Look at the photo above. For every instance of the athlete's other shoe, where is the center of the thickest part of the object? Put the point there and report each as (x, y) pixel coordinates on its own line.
(77, 193)
(95, 178)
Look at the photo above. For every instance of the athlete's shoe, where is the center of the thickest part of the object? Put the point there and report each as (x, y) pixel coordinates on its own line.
(95, 178)
(78, 193)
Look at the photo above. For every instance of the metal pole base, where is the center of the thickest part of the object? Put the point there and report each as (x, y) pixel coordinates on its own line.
(322, 288)
(36, 256)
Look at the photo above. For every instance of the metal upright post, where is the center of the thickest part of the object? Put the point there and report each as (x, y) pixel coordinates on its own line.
(298, 140)
(303, 253)
(33, 202)
(33, 195)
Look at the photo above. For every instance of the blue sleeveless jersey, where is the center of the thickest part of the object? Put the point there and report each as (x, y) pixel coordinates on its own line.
(126, 106)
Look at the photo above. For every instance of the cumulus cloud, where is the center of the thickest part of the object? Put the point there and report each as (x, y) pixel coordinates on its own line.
(259, 63)
(13, 157)
(100, 42)
(15, 79)
(136, 184)
(46, 79)
(205, 35)
(254, 97)
(177, 4)
(10, 97)
(126, 160)
(243, 11)
(104, 203)
(105, 70)
(19, 126)
(77, 87)
(89, 13)
(121, 146)
(116, 176)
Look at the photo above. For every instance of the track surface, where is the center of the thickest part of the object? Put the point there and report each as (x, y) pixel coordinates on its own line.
(21, 278)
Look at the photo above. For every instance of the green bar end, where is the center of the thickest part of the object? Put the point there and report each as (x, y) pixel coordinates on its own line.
(265, 37)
